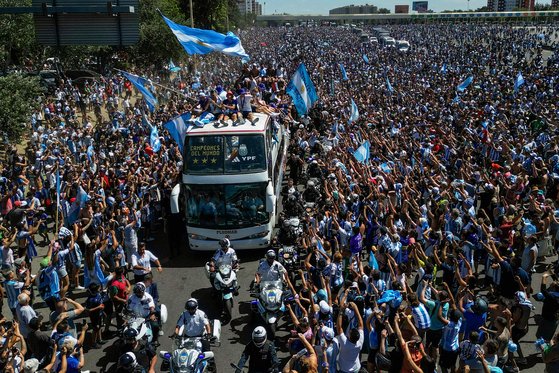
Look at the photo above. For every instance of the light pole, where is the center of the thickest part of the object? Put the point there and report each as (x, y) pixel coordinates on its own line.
(191, 15)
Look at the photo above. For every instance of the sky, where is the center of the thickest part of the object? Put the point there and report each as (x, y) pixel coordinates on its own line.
(321, 7)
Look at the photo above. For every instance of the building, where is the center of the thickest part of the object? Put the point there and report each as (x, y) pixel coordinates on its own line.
(355, 9)
(510, 5)
(554, 4)
(249, 7)
(403, 9)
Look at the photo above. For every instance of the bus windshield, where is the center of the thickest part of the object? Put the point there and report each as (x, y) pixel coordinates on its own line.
(219, 154)
(226, 205)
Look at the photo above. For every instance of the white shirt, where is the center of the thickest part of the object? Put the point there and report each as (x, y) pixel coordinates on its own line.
(143, 261)
(194, 325)
(269, 272)
(141, 307)
(229, 256)
(348, 357)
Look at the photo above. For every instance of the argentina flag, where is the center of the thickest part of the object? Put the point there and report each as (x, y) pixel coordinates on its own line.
(197, 41)
(302, 91)
(143, 86)
(177, 128)
(354, 112)
(462, 86)
(362, 153)
(518, 82)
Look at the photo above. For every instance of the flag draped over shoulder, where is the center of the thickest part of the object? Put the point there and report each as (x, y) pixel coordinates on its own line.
(302, 91)
(462, 86)
(177, 128)
(142, 85)
(198, 41)
(354, 112)
(362, 153)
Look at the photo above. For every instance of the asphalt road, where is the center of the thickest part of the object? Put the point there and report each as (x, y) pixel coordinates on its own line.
(184, 277)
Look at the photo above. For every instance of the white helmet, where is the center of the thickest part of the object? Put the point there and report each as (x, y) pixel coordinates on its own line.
(259, 336)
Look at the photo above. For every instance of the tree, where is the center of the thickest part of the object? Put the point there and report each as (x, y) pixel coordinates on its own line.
(17, 35)
(19, 98)
(157, 43)
(383, 11)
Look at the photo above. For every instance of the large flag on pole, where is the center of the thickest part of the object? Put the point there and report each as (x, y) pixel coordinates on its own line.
(362, 153)
(302, 91)
(198, 41)
(354, 112)
(142, 85)
(518, 82)
(177, 128)
(462, 86)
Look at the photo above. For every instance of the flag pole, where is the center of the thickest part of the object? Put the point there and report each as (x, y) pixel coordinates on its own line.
(57, 197)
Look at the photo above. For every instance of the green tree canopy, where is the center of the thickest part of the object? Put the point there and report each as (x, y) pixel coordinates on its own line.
(19, 98)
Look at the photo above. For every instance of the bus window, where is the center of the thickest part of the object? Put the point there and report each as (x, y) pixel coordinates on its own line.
(245, 153)
(204, 154)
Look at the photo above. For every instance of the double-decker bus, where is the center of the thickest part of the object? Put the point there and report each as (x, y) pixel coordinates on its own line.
(231, 179)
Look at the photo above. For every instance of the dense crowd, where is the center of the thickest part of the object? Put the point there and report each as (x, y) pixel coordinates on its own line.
(420, 258)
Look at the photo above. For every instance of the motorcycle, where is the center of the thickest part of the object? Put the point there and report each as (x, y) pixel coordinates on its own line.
(225, 282)
(290, 230)
(269, 304)
(187, 355)
(289, 258)
(141, 324)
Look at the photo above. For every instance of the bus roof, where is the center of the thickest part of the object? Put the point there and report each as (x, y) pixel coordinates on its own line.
(247, 127)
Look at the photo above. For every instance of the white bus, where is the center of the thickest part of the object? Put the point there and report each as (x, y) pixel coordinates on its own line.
(231, 177)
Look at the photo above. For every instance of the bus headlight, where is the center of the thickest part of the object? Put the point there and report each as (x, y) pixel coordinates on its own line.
(193, 236)
(259, 235)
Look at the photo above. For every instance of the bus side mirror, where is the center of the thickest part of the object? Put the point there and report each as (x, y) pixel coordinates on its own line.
(270, 199)
(175, 208)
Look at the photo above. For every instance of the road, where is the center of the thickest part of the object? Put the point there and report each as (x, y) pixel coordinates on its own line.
(184, 277)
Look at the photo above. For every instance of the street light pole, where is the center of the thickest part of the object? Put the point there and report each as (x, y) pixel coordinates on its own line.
(191, 15)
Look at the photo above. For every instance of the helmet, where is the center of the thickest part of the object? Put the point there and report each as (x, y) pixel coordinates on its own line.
(271, 254)
(310, 184)
(480, 306)
(139, 289)
(191, 305)
(224, 243)
(130, 334)
(127, 361)
(259, 336)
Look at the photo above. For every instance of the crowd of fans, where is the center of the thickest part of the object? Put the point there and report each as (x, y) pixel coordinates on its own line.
(420, 259)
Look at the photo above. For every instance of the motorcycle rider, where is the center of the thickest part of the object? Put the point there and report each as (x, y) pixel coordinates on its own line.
(311, 193)
(272, 270)
(141, 304)
(136, 356)
(261, 352)
(225, 254)
(292, 207)
(195, 323)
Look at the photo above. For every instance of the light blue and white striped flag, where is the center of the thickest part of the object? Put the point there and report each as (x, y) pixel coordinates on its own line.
(362, 153)
(344, 73)
(462, 86)
(302, 91)
(354, 112)
(518, 82)
(366, 59)
(389, 86)
(197, 41)
(177, 128)
(142, 85)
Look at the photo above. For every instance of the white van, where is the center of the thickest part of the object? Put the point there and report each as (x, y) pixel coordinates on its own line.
(403, 45)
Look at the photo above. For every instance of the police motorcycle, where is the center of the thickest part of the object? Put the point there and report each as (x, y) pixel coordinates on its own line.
(187, 355)
(141, 324)
(225, 283)
(269, 303)
(288, 256)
